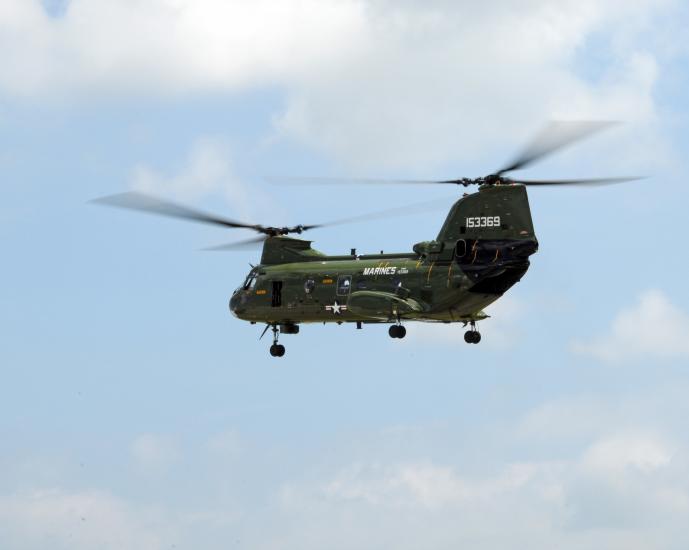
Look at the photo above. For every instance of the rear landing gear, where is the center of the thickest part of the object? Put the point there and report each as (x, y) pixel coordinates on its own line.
(397, 331)
(472, 336)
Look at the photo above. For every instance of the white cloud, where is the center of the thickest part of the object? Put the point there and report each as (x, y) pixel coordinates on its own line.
(618, 482)
(654, 328)
(618, 489)
(154, 454)
(226, 445)
(448, 80)
(617, 493)
(80, 521)
(167, 46)
(378, 82)
(207, 170)
(619, 454)
(421, 485)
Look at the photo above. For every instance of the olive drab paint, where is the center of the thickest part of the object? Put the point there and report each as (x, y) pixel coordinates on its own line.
(481, 250)
(474, 216)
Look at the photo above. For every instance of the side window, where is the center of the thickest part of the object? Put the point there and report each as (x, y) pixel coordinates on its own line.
(344, 282)
(461, 249)
(309, 286)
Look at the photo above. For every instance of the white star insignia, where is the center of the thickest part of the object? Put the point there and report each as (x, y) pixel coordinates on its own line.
(336, 308)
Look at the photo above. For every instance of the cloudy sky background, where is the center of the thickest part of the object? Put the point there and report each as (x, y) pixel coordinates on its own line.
(137, 413)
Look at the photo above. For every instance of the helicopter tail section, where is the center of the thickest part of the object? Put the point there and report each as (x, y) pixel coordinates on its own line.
(492, 236)
(495, 212)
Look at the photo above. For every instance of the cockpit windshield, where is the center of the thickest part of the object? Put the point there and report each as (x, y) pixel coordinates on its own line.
(250, 281)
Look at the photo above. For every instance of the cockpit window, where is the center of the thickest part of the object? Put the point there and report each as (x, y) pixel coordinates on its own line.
(250, 281)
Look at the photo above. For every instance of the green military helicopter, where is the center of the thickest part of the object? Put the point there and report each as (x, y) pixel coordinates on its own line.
(481, 250)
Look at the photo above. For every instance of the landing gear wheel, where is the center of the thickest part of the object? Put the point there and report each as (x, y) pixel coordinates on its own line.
(397, 331)
(472, 337)
(277, 350)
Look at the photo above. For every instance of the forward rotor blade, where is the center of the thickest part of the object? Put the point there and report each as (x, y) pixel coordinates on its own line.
(305, 227)
(590, 181)
(387, 213)
(145, 203)
(249, 243)
(555, 136)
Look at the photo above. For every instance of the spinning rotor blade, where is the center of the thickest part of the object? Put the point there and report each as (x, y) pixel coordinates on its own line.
(388, 213)
(311, 180)
(145, 203)
(152, 205)
(555, 136)
(592, 181)
(396, 211)
(249, 243)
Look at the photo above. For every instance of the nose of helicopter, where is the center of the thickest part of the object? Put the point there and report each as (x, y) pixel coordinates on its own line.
(234, 303)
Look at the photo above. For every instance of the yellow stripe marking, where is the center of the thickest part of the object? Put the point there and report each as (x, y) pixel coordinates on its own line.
(428, 279)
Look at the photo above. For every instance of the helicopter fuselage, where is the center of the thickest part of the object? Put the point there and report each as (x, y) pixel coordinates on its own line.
(383, 288)
(482, 249)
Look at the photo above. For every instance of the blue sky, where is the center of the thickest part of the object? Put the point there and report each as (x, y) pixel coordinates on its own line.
(137, 413)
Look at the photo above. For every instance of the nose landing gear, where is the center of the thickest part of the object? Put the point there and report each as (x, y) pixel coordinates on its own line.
(276, 350)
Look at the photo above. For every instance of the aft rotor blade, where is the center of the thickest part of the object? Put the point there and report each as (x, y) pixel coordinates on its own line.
(311, 180)
(152, 205)
(555, 136)
(396, 211)
(239, 245)
(590, 181)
